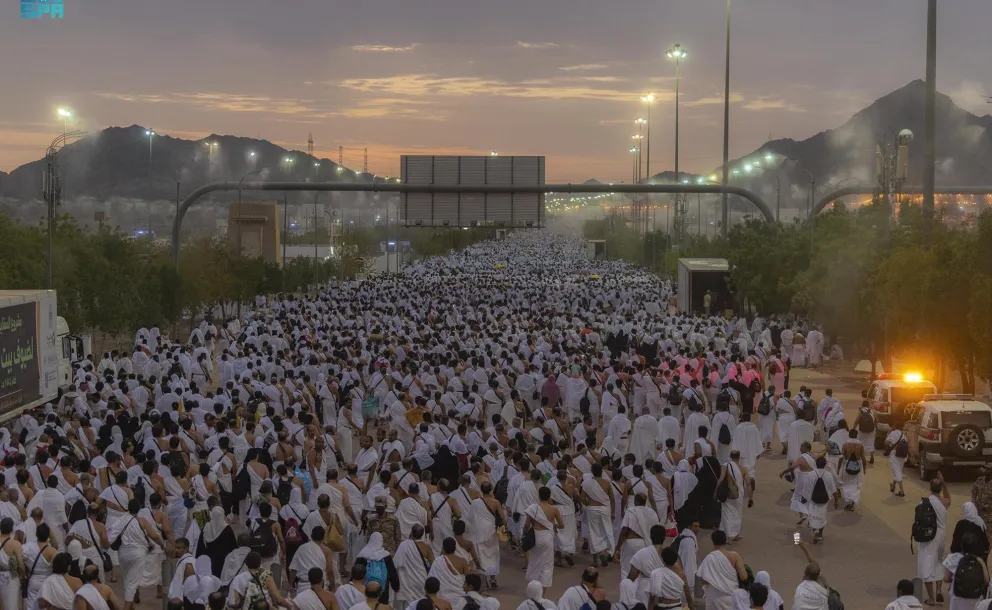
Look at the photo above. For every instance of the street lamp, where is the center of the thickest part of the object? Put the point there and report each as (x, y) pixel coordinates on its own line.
(493, 153)
(677, 53)
(724, 210)
(151, 135)
(649, 99)
(640, 121)
(252, 158)
(65, 113)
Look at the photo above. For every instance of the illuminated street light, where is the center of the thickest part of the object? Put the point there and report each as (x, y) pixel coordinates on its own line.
(340, 168)
(649, 99)
(65, 113)
(769, 157)
(700, 180)
(493, 153)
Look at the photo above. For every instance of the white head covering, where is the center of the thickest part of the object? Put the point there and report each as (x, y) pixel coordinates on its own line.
(295, 508)
(215, 526)
(683, 483)
(116, 444)
(373, 551)
(764, 578)
(969, 512)
(535, 591)
(75, 550)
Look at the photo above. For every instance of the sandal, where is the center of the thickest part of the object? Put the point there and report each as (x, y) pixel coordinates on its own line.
(901, 494)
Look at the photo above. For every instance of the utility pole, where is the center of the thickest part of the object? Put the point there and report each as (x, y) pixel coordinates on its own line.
(285, 235)
(316, 263)
(725, 210)
(930, 122)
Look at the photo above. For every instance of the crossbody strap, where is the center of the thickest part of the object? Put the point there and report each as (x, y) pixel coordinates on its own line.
(35, 564)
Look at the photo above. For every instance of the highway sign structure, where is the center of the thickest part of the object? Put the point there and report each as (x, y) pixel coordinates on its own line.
(504, 210)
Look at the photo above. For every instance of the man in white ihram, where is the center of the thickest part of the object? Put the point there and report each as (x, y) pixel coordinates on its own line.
(52, 502)
(930, 555)
(721, 572)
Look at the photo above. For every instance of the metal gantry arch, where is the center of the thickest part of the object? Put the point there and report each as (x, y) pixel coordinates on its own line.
(906, 190)
(392, 187)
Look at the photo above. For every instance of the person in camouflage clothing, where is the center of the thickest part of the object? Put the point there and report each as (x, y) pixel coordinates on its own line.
(981, 496)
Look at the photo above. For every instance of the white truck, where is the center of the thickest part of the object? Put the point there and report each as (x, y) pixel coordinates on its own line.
(36, 351)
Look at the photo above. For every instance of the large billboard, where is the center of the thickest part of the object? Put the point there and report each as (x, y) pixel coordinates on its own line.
(522, 210)
(20, 356)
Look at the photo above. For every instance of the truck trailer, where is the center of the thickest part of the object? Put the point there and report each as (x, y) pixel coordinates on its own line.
(35, 351)
(696, 277)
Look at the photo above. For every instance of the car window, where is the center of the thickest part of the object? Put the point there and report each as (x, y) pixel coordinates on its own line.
(931, 421)
(982, 419)
(910, 394)
(872, 392)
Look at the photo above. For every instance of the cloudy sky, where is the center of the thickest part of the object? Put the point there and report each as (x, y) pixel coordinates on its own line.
(560, 78)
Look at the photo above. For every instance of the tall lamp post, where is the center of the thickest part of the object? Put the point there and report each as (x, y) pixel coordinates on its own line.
(649, 99)
(678, 53)
(66, 114)
(285, 221)
(724, 210)
(151, 135)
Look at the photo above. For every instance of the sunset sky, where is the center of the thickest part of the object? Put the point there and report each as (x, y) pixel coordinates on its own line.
(560, 78)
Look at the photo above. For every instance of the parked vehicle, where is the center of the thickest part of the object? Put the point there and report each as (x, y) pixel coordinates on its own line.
(887, 397)
(951, 430)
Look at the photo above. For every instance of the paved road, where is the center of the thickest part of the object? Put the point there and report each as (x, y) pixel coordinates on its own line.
(863, 555)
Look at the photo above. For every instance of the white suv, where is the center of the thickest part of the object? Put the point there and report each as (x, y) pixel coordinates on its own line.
(954, 430)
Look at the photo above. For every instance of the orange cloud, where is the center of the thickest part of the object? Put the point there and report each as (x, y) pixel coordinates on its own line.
(418, 85)
(537, 45)
(382, 48)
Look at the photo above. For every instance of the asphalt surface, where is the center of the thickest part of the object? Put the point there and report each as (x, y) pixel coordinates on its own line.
(864, 552)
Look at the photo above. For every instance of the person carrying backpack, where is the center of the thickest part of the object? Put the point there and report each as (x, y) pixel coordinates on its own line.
(930, 517)
(968, 572)
(822, 486)
(865, 425)
(897, 450)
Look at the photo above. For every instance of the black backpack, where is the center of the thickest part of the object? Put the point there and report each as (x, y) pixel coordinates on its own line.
(139, 490)
(723, 400)
(902, 448)
(263, 541)
(283, 491)
(241, 485)
(807, 411)
(585, 403)
(724, 435)
(969, 578)
(694, 402)
(924, 522)
(865, 422)
(765, 405)
(677, 542)
(675, 394)
(819, 495)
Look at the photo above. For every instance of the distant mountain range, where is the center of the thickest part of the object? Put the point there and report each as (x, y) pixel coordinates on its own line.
(115, 161)
(847, 153)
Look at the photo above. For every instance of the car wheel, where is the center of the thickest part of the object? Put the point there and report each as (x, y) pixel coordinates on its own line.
(927, 473)
(967, 440)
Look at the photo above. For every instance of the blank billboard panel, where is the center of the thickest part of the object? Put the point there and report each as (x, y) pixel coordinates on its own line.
(472, 209)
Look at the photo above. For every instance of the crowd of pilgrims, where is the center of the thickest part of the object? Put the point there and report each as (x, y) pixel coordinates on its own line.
(385, 442)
